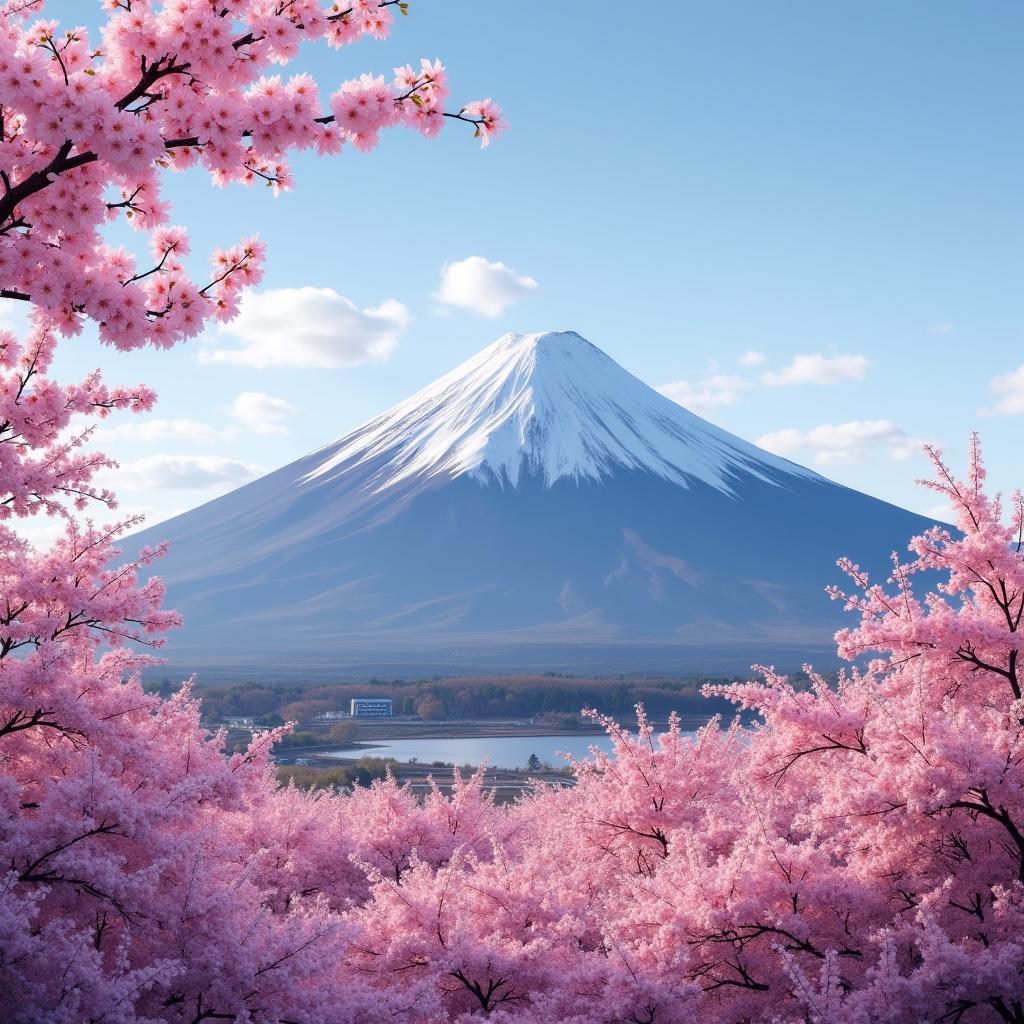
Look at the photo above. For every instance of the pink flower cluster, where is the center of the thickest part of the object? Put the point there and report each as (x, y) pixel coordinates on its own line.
(172, 85)
(851, 854)
(416, 98)
(43, 464)
(486, 115)
(139, 863)
(849, 851)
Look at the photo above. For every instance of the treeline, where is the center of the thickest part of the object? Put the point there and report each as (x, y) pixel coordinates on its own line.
(345, 733)
(362, 773)
(459, 697)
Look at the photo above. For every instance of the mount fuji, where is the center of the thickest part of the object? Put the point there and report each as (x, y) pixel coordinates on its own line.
(537, 508)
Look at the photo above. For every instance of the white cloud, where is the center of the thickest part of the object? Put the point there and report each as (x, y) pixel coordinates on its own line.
(13, 314)
(717, 389)
(183, 429)
(182, 471)
(1009, 391)
(706, 394)
(942, 328)
(261, 414)
(817, 369)
(942, 513)
(839, 443)
(309, 327)
(752, 358)
(39, 530)
(787, 441)
(482, 286)
(253, 412)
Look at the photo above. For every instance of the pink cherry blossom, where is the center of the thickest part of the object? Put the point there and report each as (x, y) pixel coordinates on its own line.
(146, 875)
(168, 86)
(849, 850)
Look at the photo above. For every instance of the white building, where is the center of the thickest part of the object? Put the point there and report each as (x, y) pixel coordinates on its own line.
(371, 707)
(243, 721)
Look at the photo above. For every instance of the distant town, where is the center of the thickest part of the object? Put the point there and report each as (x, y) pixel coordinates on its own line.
(342, 734)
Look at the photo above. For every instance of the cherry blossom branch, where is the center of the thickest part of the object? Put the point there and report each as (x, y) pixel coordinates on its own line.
(248, 39)
(161, 68)
(154, 270)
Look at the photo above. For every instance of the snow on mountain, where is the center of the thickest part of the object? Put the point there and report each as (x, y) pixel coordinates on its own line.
(536, 508)
(551, 405)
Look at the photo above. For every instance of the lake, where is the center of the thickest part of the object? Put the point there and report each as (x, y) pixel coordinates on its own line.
(498, 751)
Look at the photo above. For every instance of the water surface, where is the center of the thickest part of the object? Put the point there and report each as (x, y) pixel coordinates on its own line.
(497, 751)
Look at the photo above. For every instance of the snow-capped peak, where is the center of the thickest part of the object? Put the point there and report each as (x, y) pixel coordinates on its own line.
(550, 405)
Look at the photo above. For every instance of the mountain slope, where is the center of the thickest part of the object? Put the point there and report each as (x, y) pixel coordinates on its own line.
(537, 507)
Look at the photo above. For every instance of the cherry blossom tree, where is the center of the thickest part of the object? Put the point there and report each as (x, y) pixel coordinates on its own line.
(852, 854)
(136, 884)
(856, 855)
(847, 851)
(891, 805)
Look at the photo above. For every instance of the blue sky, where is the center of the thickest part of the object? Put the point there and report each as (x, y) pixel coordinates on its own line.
(685, 183)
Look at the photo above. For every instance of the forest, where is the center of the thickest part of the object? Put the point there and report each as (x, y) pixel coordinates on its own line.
(461, 697)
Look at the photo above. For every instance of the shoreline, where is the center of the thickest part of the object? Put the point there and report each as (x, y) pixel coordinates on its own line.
(377, 734)
(482, 728)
